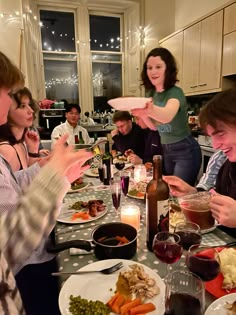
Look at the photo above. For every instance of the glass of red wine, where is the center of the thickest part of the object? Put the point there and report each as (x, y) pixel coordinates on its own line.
(189, 232)
(115, 187)
(167, 248)
(185, 294)
(125, 182)
(119, 164)
(203, 261)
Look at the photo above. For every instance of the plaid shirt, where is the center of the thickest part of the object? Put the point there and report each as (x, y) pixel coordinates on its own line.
(22, 230)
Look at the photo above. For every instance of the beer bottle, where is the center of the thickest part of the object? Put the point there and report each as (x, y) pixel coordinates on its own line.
(107, 164)
(157, 209)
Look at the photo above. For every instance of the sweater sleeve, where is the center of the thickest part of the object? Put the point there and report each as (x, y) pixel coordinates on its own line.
(22, 230)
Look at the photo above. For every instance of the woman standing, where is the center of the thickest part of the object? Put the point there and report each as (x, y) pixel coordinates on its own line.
(168, 106)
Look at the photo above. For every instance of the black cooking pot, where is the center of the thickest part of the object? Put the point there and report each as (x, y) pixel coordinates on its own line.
(104, 242)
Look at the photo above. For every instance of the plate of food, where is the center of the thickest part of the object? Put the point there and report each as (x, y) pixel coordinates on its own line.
(128, 103)
(138, 190)
(78, 185)
(97, 286)
(225, 282)
(82, 211)
(226, 305)
(91, 172)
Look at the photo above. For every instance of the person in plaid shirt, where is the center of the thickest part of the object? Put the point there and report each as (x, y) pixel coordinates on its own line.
(22, 230)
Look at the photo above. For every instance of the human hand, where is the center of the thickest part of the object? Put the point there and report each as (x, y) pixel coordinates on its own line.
(178, 187)
(44, 152)
(128, 152)
(223, 209)
(32, 141)
(114, 132)
(68, 162)
(143, 112)
(135, 159)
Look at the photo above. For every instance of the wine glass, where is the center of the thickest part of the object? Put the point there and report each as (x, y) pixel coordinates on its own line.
(115, 187)
(204, 261)
(189, 232)
(119, 164)
(125, 182)
(185, 294)
(167, 248)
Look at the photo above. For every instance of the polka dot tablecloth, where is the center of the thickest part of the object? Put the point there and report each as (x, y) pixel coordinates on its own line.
(73, 259)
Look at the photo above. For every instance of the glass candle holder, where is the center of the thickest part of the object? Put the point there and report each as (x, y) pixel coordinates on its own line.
(139, 173)
(130, 214)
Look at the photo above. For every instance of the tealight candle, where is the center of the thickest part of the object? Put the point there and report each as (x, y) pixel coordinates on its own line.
(130, 214)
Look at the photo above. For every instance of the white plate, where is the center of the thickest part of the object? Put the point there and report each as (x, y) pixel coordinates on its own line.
(96, 286)
(135, 197)
(66, 214)
(209, 230)
(217, 307)
(79, 189)
(128, 103)
(89, 173)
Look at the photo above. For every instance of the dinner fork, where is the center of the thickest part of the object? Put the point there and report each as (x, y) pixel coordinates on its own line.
(105, 271)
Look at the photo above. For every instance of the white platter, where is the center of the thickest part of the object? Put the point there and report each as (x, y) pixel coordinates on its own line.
(89, 173)
(66, 214)
(128, 103)
(96, 286)
(79, 189)
(217, 307)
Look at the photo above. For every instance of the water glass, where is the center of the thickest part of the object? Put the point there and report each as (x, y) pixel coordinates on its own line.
(185, 294)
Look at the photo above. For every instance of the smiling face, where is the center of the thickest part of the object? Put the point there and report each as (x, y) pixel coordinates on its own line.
(73, 117)
(21, 115)
(156, 69)
(224, 138)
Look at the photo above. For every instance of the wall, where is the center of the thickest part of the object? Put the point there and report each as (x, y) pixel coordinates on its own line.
(187, 11)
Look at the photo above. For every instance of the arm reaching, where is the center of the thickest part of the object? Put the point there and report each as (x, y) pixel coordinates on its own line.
(178, 187)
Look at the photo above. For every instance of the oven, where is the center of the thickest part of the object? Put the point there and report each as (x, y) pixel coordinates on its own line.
(207, 151)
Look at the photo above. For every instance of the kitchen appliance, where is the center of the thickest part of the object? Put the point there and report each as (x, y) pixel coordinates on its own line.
(48, 120)
(206, 150)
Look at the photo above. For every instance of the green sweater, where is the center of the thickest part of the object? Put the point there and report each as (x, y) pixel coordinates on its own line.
(177, 129)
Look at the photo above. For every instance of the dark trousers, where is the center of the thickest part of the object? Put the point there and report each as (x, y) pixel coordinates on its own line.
(39, 290)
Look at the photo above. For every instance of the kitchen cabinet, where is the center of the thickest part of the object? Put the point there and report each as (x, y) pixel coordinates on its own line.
(175, 45)
(202, 53)
(229, 46)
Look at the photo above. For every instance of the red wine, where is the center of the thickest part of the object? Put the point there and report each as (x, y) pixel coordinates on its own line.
(183, 304)
(167, 252)
(125, 184)
(205, 267)
(116, 200)
(120, 165)
(189, 238)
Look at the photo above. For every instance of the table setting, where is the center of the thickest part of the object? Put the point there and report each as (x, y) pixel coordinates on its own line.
(131, 212)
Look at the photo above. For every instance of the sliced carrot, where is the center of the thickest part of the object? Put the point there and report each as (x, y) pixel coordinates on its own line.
(126, 307)
(112, 300)
(122, 239)
(142, 309)
(140, 194)
(80, 215)
(119, 301)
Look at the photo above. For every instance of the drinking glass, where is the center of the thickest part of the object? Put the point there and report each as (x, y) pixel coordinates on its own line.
(204, 261)
(189, 233)
(167, 248)
(115, 187)
(125, 182)
(185, 294)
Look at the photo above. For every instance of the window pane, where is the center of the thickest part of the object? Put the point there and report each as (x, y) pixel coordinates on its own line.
(106, 57)
(57, 31)
(107, 83)
(104, 33)
(61, 80)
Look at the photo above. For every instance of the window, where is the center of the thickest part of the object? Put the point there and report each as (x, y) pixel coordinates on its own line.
(105, 44)
(59, 55)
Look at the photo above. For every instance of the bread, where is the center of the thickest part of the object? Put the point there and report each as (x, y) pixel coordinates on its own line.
(228, 268)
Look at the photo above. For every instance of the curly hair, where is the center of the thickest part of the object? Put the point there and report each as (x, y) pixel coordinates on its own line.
(171, 68)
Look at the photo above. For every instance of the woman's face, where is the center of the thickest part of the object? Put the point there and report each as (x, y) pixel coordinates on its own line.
(21, 116)
(5, 102)
(156, 69)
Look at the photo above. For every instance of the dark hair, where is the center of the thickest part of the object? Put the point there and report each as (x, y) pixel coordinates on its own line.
(86, 114)
(222, 107)
(171, 68)
(10, 76)
(7, 135)
(26, 92)
(69, 107)
(121, 115)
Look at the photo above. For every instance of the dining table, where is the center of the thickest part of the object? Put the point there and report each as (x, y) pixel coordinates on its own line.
(73, 259)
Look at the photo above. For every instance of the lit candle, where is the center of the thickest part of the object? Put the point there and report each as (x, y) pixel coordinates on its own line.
(139, 173)
(130, 214)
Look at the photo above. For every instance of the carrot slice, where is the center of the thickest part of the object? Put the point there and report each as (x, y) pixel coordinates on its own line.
(112, 300)
(143, 308)
(126, 307)
(119, 301)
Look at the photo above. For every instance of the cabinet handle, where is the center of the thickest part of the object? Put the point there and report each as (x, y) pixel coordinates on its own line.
(203, 84)
(193, 86)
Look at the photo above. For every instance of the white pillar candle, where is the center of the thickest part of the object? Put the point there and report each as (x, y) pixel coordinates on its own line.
(130, 214)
